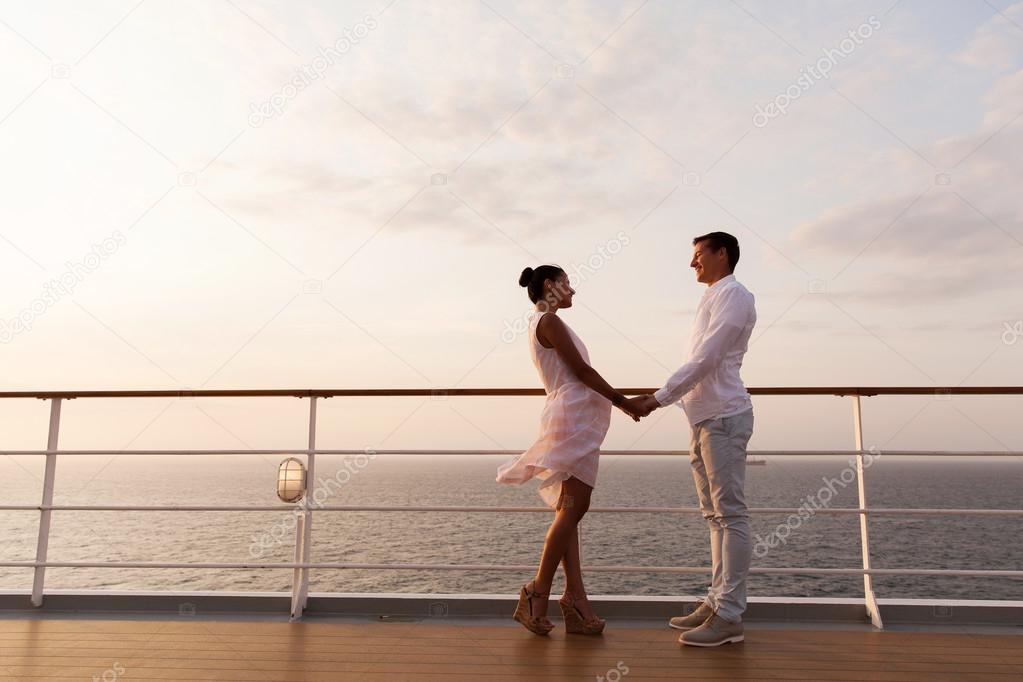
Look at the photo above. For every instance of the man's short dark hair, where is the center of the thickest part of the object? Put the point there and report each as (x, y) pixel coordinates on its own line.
(722, 240)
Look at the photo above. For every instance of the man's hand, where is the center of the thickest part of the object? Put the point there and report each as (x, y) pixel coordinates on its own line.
(640, 406)
(646, 404)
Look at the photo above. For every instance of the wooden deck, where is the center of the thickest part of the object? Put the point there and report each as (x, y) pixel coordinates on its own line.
(262, 651)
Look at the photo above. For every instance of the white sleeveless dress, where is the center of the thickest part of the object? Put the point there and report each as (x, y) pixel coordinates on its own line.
(573, 424)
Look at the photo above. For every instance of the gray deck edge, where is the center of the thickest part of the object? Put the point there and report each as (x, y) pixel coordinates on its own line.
(424, 606)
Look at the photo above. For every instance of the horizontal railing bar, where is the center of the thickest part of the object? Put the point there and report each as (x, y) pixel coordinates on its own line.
(511, 453)
(438, 392)
(504, 567)
(443, 508)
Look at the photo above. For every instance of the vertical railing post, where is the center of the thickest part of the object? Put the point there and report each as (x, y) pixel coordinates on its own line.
(304, 529)
(296, 581)
(861, 484)
(307, 544)
(43, 542)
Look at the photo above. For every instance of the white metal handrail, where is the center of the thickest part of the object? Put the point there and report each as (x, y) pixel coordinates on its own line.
(301, 566)
(877, 511)
(508, 453)
(638, 568)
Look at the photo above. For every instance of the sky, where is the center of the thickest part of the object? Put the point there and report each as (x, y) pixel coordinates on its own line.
(245, 194)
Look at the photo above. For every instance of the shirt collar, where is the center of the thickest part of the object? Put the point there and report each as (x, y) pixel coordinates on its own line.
(726, 278)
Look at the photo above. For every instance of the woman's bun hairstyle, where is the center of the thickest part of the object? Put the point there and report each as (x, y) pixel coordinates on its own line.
(526, 277)
(533, 279)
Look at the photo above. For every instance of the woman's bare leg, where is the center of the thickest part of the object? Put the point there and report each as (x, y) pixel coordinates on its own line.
(561, 536)
(574, 588)
(571, 564)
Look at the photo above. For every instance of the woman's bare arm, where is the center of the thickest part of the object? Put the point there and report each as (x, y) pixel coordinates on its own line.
(552, 330)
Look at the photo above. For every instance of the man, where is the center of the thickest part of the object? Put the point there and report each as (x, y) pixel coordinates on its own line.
(720, 415)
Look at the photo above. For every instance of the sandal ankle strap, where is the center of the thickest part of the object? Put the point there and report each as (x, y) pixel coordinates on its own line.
(531, 591)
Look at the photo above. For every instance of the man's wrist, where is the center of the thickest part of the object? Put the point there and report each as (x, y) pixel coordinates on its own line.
(618, 399)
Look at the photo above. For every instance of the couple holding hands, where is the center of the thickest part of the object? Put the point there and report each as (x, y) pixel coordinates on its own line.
(576, 417)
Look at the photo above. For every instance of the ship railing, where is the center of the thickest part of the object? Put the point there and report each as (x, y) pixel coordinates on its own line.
(307, 508)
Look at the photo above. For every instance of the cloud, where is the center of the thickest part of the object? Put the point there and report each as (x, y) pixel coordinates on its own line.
(998, 43)
(958, 239)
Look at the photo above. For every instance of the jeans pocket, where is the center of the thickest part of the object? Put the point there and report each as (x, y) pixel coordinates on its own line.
(729, 426)
(738, 426)
(716, 426)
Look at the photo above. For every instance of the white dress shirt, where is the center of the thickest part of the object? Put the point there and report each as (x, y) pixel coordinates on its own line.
(708, 384)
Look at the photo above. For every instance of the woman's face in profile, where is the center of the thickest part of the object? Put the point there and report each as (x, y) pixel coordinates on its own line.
(559, 292)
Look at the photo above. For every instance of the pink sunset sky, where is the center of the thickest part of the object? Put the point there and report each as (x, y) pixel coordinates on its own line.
(247, 194)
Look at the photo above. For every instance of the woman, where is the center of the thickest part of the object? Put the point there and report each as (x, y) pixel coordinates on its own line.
(573, 424)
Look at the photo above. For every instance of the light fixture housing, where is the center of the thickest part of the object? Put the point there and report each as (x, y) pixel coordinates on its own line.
(291, 480)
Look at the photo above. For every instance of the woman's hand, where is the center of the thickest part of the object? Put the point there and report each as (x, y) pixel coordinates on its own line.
(639, 406)
(626, 410)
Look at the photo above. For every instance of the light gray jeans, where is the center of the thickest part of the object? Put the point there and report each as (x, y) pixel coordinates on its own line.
(717, 454)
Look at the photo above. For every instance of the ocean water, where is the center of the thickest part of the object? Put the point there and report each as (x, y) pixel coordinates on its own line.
(652, 539)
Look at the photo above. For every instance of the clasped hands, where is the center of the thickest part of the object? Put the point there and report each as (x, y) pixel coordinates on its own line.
(639, 406)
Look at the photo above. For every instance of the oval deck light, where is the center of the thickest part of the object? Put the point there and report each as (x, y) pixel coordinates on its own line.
(291, 480)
